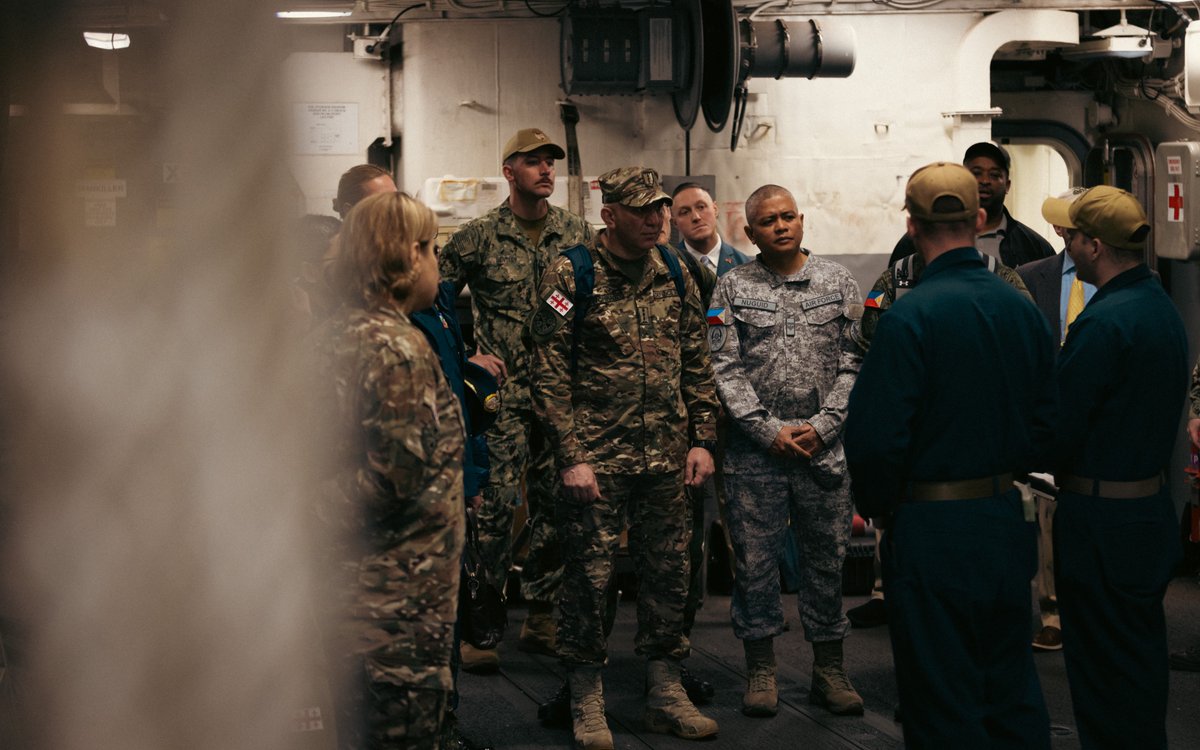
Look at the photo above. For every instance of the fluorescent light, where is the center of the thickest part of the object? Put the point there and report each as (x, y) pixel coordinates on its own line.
(312, 14)
(106, 40)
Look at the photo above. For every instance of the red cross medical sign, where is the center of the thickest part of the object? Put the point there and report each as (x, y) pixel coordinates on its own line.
(1175, 201)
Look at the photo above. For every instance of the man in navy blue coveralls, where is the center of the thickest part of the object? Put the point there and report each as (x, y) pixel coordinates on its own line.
(955, 397)
(1122, 378)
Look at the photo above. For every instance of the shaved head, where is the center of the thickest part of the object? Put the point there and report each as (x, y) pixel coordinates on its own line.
(763, 193)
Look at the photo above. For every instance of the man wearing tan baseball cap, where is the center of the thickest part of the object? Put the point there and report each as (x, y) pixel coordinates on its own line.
(944, 413)
(501, 256)
(1122, 379)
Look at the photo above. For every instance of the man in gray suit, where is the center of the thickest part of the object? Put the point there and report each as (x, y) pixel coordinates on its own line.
(1060, 295)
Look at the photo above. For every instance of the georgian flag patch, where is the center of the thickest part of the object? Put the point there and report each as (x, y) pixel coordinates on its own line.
(559, 303)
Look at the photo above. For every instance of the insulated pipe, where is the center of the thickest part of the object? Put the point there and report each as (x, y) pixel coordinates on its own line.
(796, 49)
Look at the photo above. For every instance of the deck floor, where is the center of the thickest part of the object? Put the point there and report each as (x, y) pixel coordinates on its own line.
(501, 709)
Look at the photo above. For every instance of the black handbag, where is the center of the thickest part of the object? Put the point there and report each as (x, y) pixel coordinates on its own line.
(482, 614)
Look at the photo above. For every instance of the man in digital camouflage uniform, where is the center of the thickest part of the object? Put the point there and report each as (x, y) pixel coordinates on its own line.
(502, 256)
(626, 396)
(785, 358)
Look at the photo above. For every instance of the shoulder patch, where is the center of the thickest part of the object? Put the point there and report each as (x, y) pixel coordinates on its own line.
(718, 316)
(559, 303)
(546, 320)
(875, 299)
(717, 336)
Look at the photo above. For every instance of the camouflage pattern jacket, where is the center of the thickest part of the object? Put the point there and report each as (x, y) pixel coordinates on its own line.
(643, 383)
(397, 511)
(493, 256)
(1194, 393)
(883, 294)
(785, 352)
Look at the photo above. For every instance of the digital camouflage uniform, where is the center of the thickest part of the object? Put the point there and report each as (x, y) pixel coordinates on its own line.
(1194, 393)
(495, 258)
(784, 353)
(642, 387)
(394, 516)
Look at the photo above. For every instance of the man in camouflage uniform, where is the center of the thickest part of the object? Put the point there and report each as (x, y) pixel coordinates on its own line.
(393, 512)
(625, 393)
(502, 256)
(785, 359)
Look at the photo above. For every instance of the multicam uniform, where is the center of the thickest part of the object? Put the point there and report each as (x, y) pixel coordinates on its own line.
(641, 387)
(397, 518)
(784, 353)
(503, 268)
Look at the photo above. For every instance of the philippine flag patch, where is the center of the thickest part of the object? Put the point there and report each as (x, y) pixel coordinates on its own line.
(874, 299)
(718, 316)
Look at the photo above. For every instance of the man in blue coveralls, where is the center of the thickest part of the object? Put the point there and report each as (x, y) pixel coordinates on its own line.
(958, 553)
(1122, 378)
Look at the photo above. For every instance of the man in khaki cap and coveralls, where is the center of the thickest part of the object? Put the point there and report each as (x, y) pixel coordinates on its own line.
(958, 553)
(502, 256)
(624, 390)
(1122, 378)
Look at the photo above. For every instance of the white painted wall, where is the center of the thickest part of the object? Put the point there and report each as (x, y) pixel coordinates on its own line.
(333, 77)
(845, 147)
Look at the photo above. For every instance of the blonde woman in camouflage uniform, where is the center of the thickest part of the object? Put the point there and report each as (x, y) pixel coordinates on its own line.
(396, 514)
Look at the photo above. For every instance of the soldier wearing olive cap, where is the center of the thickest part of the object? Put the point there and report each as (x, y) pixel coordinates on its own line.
(1122, 378)
(624, 390)
(502, 256)
(955, 396)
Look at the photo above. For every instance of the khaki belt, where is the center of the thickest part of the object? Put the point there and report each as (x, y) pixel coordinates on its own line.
(966, 489)
(1111, 490)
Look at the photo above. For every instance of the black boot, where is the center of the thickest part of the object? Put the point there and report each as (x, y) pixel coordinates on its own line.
(556, 712)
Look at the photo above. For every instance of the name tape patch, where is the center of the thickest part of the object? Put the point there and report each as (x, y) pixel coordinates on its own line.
(825, 299)
(758, 304)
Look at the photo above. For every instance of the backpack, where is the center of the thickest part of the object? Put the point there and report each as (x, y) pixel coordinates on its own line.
(585, 284)
(902, 272)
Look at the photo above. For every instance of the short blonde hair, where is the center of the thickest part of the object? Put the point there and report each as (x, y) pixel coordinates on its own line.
(375, 254)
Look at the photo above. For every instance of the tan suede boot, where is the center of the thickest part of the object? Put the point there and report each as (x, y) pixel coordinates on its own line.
(589, 726)
(762, 694)
(831, 687)
(668, 710)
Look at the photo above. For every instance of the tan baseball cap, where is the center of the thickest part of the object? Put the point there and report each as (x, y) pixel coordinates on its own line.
(1057, 209)
(632, 186)
(531, 139)
(941, 180)
(1112, 216)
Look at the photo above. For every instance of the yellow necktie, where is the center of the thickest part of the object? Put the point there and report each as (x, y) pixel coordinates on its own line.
(1074, 304)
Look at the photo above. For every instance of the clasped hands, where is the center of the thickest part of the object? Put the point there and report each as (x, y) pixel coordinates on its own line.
(797, 441)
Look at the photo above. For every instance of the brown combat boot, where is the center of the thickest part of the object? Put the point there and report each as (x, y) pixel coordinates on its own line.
(588, 724)
(831, 687)
(540, 630)
(478, 660)
(762, 694)
(668, 709)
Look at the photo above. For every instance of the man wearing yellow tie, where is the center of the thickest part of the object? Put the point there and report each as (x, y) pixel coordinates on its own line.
(1061, 295)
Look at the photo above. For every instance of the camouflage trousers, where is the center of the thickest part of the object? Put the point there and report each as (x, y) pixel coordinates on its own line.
(659, 520)
(758, 509)
(518, 452)
(379, 711)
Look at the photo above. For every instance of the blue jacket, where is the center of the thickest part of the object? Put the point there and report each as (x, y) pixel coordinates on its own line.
(958, 384)
(729, 258)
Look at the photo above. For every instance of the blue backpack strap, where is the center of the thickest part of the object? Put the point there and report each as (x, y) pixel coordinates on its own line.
(585, 283)
(676, 271)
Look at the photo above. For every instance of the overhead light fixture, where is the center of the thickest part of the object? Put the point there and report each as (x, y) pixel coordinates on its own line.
(311, 14)
(1123, 40)
(106, 40)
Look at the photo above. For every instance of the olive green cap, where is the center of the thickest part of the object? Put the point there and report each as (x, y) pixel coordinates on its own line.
(531, 139)
(1112, 216)
(941, 180)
